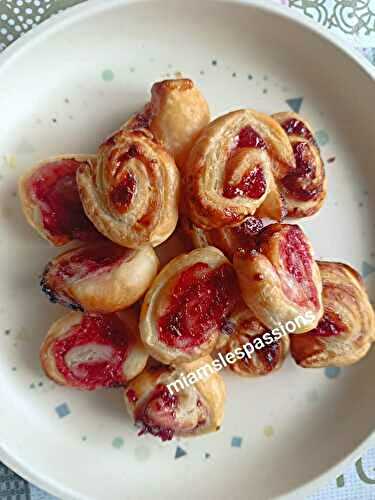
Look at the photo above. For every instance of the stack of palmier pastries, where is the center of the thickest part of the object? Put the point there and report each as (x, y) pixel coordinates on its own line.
(140, 327)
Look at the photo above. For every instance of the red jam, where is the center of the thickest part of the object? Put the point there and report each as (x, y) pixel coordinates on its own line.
(329, 326)
(302, 182)
(83, 262)
(124, 181)
(132, 396)
(252, 185)
(157, 416)
(293, 126)
(110, 141)
(200, 301)
(250, 227)
(247, 231)
(268, 356)
(297, 262)
(141, 120)
(122, 194)
(101, 331)
(54, 188)
(248, 138)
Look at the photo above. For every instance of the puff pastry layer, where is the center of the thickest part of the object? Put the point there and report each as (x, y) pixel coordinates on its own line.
(193, 410)
(89, 351)
(186, 306)
(231, 169)
(101, 277)
(227, 239)
(175, 115)
(131, 195)
(280, 279)
(345, 333)
(304, 188)
(51, 202)
(269, 351)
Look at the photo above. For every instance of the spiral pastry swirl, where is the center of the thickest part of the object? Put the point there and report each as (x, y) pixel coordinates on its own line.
(241, 328)
(91, 351)
(231, 169)
(190, 410)
(304, 188)
(345, 333)
(280, 280)
(132, 193)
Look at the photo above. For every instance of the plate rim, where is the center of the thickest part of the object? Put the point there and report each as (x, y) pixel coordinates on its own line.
(87, 9)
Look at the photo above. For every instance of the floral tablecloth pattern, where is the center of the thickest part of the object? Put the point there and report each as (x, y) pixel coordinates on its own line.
(350, 19)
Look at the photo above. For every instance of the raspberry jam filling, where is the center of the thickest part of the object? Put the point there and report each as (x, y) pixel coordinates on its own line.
(93, 353)
(132, 396)
(82, 262)
(269, 356)
(252, 185)
(122, 195)
(125, 184)
(200, 301)
(297, 262)
(158, 415)
(249, 138)
(247, 231)
(53, 187)
(302, 182)
(329, 326)
(293, 126)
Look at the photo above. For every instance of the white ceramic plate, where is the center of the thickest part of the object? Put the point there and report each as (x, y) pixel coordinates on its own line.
(62, 89)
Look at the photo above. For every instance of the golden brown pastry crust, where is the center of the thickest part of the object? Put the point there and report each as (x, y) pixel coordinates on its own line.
(65, 329)
(193, 410)
(227, 239)
(280, 279)
(175, 115)
(243, 327)
(101, 277)
(346, 332)
(223, 176)
(166, 290)
(304, 188)
(132, 194)
(30, 205)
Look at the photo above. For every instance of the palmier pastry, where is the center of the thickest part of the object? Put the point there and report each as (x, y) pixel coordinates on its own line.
(345, 333)
(51, 202)
(89, 351)
(132, 193)
(304, 188)
(227, 239)
(101, 277)
(264, 352)
(186, 306)
(280, 280)
(164, 405)
(176, 115)
(231, 168)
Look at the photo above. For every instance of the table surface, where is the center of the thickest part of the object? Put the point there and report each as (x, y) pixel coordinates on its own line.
(352, 19)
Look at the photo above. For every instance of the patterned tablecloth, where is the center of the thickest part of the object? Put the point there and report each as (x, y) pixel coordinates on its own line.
(352, 19)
